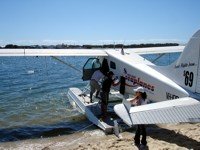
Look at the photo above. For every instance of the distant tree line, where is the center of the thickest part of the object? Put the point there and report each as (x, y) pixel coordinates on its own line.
(65, 46)
(130, 46)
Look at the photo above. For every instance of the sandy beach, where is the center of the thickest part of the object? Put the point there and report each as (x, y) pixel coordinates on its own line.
(160, 137)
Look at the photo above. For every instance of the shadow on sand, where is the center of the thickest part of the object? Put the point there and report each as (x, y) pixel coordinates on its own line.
(171, 136)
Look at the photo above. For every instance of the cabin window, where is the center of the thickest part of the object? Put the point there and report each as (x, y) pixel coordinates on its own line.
(96, 64)
(92, 63)
(112, 65)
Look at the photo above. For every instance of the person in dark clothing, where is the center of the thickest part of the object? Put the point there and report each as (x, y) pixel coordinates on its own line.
(106, 85)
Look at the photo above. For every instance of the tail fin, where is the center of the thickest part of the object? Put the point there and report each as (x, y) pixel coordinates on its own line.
(186, 70)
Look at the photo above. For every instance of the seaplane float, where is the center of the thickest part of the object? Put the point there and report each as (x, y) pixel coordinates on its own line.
(174, 90)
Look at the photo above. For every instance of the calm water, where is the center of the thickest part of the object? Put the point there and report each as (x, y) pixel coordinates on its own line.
(33, 96)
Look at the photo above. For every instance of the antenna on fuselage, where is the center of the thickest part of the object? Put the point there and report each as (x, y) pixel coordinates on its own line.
(122, 51)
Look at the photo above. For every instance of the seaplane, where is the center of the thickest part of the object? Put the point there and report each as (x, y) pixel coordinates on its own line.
(173, 90)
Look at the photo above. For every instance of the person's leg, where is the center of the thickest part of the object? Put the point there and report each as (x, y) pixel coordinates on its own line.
(137, 136)
(97, 93)
(104, 105)
(91, 96)
(143, 141)
(103, 111)
(97, 88)
(92, 89)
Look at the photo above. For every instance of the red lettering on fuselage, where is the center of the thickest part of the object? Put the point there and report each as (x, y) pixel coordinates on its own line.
(137, 80)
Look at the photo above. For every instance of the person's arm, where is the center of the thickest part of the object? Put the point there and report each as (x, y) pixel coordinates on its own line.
(134, 101)
(115, 84)
(131, 85)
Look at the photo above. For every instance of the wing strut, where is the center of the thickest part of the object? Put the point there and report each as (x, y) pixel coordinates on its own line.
(158, 57)
(66, 63)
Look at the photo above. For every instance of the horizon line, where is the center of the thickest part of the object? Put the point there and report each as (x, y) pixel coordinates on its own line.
(90, 42)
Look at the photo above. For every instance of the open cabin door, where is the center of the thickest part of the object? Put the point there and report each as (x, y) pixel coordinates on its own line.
(90, 67)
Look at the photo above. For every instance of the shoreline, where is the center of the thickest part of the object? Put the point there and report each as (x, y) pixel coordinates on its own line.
(163, 137)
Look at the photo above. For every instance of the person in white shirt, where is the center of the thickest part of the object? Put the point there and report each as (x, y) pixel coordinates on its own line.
(140, 99)
(94, 83)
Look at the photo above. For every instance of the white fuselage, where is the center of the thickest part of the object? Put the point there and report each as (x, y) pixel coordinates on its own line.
(139, 72)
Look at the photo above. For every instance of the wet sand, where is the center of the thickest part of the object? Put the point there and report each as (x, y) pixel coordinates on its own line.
(160, 137)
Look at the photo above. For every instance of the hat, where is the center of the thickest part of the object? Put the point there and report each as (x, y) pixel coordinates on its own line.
(139, 89)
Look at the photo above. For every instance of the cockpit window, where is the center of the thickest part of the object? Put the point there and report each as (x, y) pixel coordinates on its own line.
(96, 64)
(92, 63)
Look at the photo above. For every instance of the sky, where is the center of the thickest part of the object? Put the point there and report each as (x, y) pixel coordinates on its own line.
(29, 22)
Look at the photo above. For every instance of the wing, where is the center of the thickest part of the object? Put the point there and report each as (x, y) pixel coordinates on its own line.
(172, 111)
(156, 50)
(52, 52)
(85, 52)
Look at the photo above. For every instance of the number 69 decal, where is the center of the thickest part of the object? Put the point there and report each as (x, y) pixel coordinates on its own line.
(189, 76)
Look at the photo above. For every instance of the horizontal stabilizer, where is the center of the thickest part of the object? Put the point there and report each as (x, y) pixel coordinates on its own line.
(171, 111)
(52, 52)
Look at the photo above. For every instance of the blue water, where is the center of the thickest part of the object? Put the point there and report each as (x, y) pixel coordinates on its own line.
(33, 100)
(33, 96)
